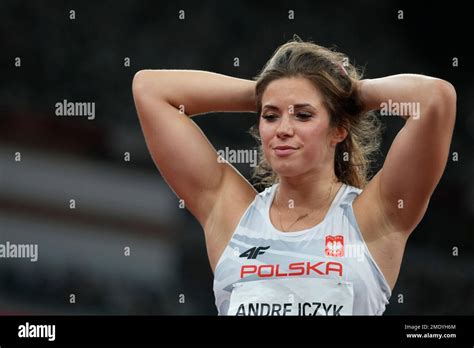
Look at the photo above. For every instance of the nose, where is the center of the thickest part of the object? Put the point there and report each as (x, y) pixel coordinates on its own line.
(285, 128)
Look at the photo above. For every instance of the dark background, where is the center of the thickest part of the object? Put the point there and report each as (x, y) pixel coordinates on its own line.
(123, 204)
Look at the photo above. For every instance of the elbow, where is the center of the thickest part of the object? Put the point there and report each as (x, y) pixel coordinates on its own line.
(147, 85)
(446, 90)
(140, 84)
(444, 97)
(142, 92)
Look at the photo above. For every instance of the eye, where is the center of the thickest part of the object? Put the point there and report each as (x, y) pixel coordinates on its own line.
(269, 117)
(304, 115)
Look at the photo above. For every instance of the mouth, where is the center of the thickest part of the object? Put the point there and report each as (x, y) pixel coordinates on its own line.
(284, 150)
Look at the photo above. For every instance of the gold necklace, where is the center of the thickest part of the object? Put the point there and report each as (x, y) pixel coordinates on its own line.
(300, 217)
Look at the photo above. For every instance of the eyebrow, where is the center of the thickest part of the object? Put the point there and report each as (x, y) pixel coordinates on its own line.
(296, 106)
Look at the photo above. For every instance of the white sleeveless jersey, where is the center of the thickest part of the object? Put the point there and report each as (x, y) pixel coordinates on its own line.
(323, 270)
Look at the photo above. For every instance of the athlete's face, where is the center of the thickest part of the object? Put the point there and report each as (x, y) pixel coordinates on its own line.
(294, 128)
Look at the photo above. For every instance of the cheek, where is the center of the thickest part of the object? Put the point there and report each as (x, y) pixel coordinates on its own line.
(315, 141)
(266, 133)
(310, 135)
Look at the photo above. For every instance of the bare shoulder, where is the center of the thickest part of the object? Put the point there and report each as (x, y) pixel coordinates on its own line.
(385, 243)
(234, 197)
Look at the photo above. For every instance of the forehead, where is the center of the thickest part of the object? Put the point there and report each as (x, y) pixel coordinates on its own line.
(294, 90)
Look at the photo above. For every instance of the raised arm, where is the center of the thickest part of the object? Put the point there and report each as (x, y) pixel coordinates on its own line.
(188, 162)
(418, 155)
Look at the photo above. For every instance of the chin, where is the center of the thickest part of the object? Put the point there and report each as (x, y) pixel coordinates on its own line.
(291, 167)
(287, 169)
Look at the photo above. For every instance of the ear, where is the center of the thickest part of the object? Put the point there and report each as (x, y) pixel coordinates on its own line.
(339, 134)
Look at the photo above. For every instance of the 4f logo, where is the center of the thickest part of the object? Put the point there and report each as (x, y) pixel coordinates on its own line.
(334, 246)
(254, 252)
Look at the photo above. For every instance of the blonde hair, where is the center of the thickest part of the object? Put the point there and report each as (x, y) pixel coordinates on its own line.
(331, 72)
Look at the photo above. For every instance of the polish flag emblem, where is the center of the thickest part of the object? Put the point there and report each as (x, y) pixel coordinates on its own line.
(334, 246)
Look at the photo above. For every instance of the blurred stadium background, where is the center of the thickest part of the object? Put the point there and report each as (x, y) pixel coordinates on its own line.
(122, 204)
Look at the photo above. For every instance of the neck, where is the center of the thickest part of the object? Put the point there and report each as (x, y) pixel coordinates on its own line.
(310, 191)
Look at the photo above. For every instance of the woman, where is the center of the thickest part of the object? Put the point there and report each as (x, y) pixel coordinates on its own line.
(320, 239)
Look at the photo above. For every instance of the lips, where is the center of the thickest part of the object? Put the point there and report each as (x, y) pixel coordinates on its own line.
(284, 150)
(284, 147)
